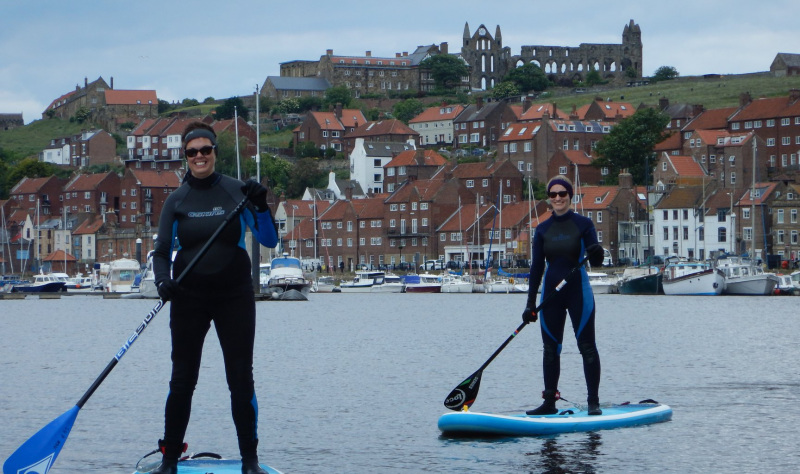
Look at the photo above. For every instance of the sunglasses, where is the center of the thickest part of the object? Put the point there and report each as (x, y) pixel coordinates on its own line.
(553, 194)
(205, 151)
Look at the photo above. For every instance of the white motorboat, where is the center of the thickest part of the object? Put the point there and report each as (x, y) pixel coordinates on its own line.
(423, 283)
(504, 285)
(373, 282)
(80, 284)
(287, 280)
(325, 284)
(744, 277)
(122, 275)
(457, 283)
(601, 283)
(692, 278)
(787, 286)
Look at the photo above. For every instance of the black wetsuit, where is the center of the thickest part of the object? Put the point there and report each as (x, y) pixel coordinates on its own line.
(219, 288)
(558, 245)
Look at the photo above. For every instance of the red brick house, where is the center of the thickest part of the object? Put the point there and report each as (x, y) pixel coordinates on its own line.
(411, 164)
(327, 129)
(570, 162)
(483, 180)
(142, 195)
(482, 124)
(92, 194)
(46, 190)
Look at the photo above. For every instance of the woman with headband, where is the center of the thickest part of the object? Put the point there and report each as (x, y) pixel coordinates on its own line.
(218, 289)
(559, 243)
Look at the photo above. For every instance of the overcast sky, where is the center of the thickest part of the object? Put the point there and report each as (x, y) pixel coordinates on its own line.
(220, 49)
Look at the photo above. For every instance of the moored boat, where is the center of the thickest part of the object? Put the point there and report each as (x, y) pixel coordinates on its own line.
(373, 282)
(601, 283)
(287, 280)
(423, 283)
(122, 275)
(41, 283)
(452, 283)
(645, 280)
(744, 277)
(692, 278)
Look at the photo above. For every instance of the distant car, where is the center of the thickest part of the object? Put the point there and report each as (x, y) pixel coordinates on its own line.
(607, 260)
(403, 266)
(432, 265)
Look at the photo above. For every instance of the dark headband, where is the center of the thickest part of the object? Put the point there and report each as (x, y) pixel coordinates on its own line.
(200, 133)
(562, 182)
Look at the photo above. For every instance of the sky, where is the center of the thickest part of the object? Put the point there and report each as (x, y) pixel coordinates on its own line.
(222, 49)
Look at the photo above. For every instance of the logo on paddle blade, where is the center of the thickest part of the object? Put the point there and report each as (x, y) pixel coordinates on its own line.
(455, 400)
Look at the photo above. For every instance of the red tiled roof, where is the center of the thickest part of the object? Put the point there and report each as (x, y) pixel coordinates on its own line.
(368, 208)
(127, 97)
(672, 142)
(413, 157)
(578, 157)
(476, 170)
(520, 131)
(711, 119)
(88, 226)
(156, 179)
(686, 165)
(59, 256)
(433, 114)
(29, 185)
(86, 182)
(536, 111)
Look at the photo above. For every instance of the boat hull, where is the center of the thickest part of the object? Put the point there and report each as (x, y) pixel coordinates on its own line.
(705, 283)
(758, 285)
(643, 285)
(422, 288)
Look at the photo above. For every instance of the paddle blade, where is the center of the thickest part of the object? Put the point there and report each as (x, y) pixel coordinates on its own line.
(38, 454)
(465, 393)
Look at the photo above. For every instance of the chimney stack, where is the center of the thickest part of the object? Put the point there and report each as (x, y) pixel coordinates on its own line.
(479, 102)
(625, 180)
(744, 99)
(369, 54)
(663, 103)
(329, 52)
(338, 110)
(443, 48)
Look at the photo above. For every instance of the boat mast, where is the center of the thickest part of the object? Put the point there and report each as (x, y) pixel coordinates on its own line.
(8, 242)
(753, 205)
(36, 237)
(236, 128)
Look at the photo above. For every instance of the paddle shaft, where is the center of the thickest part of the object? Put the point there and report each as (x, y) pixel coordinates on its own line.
(152, 314)
(538, 308)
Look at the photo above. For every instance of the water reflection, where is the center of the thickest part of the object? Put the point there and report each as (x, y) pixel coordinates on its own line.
(561, 454)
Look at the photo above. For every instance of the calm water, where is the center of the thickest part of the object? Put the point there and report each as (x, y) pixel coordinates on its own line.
(355, 383)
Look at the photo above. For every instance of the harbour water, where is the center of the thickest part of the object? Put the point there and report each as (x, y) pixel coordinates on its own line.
(355, 383)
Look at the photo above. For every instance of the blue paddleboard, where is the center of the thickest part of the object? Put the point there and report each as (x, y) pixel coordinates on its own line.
(214, 466)
(468, 423)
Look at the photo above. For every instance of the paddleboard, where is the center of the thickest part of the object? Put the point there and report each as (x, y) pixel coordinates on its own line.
(468, 423)
(214, 466)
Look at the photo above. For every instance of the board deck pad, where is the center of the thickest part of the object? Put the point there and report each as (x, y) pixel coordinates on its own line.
(569, 420)
(214, 466)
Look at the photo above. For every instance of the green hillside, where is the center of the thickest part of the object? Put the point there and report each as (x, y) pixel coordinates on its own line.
(33, 138)
(712, 93)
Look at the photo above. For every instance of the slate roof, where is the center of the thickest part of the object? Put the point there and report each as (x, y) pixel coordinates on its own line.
(299, 83)
(382, 127)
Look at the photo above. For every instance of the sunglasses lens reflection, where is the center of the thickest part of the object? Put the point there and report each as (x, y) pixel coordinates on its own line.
(559, 194)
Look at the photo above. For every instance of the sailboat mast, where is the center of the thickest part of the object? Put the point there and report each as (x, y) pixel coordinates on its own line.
(8, 243)
(753, 204)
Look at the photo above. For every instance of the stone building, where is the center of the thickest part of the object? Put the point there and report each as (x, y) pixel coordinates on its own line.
(90, 147)
(11, 121)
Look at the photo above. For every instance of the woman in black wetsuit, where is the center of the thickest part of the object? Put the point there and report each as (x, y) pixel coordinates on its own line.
(219, 288)
(558, 245)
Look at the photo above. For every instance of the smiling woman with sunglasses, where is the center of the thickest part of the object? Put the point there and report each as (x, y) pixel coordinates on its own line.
(218, 289)
(558, 246)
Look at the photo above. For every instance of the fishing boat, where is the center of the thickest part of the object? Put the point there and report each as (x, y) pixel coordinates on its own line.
(368, 281)
(744, 277)
(787, 286)
(692, 278)
(287, 280)
(423, 283)
(601, 283)
(453, 283)
(42, 283)
(80, 284)
(644, 280)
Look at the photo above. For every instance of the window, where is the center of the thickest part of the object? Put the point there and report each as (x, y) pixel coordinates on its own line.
(780, 216)
(470, 183)
(599, 216)
(599, 235)
(722, 234)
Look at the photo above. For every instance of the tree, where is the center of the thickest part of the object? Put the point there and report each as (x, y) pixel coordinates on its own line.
(306, 150)
(338, 95)
(82, 114)
(630, 143)
(664, 73)
(593, 77)
(407, 109)
(33, 168)
(190, 102)
(163, 106)
(528, 77)
(304, 174)
(226, 110)
(277, 172)
(447, 70)
(505, 89)
(288, 106)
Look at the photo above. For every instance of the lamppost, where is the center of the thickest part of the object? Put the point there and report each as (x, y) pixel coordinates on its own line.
(400, 247)
(732, 231)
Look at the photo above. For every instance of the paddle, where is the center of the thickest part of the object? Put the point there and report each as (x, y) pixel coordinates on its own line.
(39, 452)
(467, 391)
